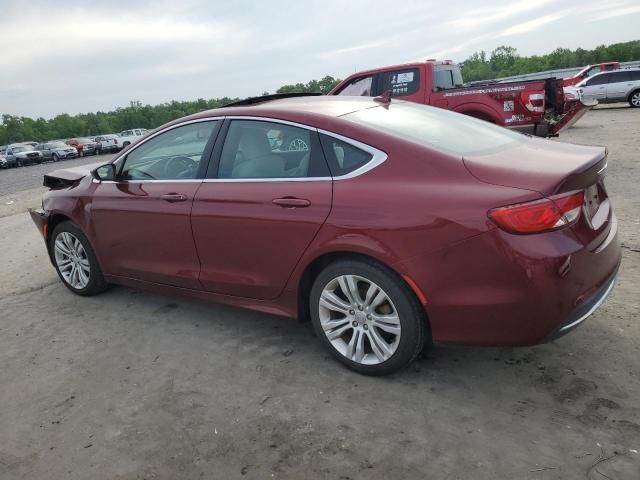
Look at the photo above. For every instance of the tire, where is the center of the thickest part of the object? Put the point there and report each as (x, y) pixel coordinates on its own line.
(54, 158)
(84, 260)
(634, 99)
(354, 323)
(125, 145)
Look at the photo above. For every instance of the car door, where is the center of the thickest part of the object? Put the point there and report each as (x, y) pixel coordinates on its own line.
(618, 85)
(596, 87)
(141, 220)
(266, 195)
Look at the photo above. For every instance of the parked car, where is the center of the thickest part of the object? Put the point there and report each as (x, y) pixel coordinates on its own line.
(531, 106)
(20, 154)
(609, 87)
(588, 71)
(107, 143)
(399, 225)
(4, 163)
(129, 137)
(84, 146)
(3, 149)
(56, 151)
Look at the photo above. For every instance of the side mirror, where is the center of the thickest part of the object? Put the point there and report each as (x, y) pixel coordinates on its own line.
(105, 172)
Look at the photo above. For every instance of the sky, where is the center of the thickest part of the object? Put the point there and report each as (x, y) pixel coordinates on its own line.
(72, 56)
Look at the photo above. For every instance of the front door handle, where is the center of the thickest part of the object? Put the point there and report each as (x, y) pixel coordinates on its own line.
(173, 197)
(291, 202)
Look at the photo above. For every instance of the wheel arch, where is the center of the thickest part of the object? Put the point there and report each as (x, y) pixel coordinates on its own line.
(480, 111)
(315, 266)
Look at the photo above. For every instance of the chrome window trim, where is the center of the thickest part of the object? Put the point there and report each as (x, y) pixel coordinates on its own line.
(377, 156)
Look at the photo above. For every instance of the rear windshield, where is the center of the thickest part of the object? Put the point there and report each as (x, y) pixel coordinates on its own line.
(434, 127)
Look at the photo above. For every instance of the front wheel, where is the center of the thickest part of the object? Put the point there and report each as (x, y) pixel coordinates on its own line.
(634, 99)
(367, 317)
(54, 158)
(75, 260)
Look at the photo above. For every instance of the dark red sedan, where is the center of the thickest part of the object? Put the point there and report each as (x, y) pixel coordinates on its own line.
(390, 224)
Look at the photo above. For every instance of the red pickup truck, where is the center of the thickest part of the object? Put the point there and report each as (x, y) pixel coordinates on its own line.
(588, 71)
(532, 106)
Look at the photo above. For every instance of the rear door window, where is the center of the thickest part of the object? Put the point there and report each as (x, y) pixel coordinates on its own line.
(615, 77)
(598, 80)
(400, 82)
(255, 149)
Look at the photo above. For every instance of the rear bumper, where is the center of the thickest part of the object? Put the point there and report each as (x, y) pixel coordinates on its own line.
(584, 310)
(498, 289)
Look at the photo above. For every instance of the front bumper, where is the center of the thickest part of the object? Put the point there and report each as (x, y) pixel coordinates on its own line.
(41, 219)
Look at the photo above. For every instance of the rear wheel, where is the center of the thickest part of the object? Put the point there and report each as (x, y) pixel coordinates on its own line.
(634, 99)
(75, 260)
(367, 317)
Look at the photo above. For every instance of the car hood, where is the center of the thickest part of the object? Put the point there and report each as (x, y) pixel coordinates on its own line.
(22, 154)
(65, 177)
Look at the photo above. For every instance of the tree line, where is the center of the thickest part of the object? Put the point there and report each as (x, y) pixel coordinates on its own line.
(501, 62)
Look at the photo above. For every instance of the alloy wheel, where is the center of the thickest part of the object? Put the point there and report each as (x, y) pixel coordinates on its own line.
(359, 319)
(72, 260)
(635, 99)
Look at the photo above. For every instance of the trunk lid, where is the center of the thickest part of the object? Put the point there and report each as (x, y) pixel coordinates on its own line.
(552, 169)
(540, 165)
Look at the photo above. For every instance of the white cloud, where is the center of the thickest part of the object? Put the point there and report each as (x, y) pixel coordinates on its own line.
(483, 17)
(342, 51)
(531, 25)
(616, 12)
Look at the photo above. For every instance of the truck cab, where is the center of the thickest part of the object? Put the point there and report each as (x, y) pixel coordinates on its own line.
(533, 106)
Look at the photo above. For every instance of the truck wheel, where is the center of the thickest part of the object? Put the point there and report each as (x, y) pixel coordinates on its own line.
(634, 99)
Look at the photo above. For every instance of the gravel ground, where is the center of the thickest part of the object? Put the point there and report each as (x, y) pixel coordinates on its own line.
(15, 180)
(129, 385)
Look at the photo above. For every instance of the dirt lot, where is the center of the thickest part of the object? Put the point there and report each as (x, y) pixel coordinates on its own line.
(129, 385)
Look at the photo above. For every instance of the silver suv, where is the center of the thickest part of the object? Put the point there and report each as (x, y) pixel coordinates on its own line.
(614, 86)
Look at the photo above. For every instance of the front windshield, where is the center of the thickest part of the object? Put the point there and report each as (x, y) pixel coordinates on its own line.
(58, 145)
(21, 149)
(438, 128)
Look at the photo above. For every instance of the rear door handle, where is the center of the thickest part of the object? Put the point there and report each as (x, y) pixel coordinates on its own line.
(174, 197)
(291, 202)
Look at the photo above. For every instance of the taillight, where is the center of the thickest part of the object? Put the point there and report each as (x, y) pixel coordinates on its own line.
(533, 101)
(540, 215)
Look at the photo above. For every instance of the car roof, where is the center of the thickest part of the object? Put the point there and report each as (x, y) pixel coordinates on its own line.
(319, 111)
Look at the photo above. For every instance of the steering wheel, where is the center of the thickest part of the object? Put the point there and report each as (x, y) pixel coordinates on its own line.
(180, 167)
